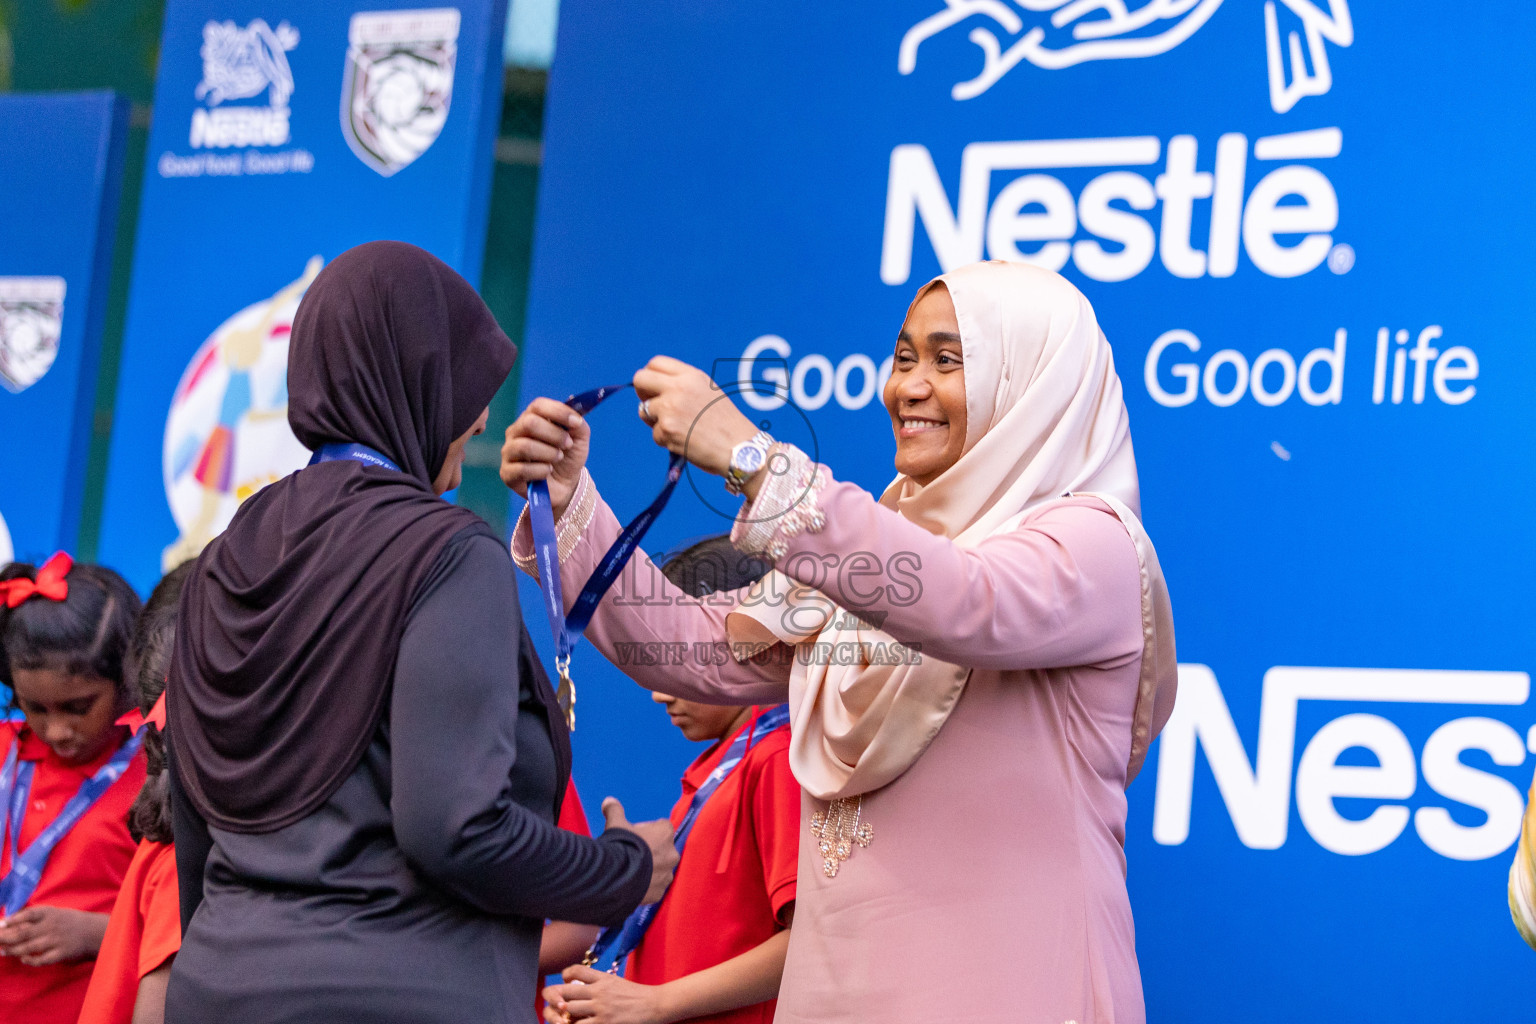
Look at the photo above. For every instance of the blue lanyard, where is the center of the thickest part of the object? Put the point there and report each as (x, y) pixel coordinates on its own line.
(569, 628)
(16, 783)
(336, 451)
(615, 944)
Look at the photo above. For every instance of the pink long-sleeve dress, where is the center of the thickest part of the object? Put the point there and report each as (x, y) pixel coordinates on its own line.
(994, 887)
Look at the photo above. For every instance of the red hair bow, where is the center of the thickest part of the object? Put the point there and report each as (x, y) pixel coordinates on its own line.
(136, 720)
(50, 582)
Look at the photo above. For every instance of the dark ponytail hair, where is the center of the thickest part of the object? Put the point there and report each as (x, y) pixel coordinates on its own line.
(86, 634)
(711, 566)
(149, 659)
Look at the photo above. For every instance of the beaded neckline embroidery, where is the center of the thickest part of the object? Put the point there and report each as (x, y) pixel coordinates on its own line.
(837, 829)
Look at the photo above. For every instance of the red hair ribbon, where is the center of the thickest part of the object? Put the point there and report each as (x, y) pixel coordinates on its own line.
(50, 582)
(156, 716)
(136, 720)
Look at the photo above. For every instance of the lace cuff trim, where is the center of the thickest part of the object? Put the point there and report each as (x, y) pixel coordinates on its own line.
(568, 531)
(787, 505)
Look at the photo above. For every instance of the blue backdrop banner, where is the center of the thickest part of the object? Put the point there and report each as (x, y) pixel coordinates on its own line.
(1300, 222)
(61, 168)
(284, 134)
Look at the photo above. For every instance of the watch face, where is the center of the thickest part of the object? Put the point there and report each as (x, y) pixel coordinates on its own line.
(749, 459)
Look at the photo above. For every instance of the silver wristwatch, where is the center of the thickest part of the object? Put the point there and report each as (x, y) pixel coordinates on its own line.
(747, 459)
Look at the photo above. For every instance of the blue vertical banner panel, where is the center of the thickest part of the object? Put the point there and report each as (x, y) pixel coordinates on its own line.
(1302, 224)
(284, 134)
(61, 166)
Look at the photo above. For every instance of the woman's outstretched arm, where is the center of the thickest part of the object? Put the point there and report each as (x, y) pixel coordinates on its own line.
(1062, 589)
(658, 635)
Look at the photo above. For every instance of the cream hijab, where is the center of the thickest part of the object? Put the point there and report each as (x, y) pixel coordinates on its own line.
(1044, 418)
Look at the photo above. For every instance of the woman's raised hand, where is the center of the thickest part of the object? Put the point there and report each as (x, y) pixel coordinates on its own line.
(689, 415)
(549, 441)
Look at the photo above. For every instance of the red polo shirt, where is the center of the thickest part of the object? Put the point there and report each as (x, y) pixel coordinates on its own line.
(737, 872)
(144, 933)
(84, 871)
(573, 817)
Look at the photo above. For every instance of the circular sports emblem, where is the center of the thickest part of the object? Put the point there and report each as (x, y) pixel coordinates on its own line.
(227, 435)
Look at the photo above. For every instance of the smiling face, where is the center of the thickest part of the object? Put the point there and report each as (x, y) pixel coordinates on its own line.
(926, 393)
(73, 714)
(452, 473)
(700, 722)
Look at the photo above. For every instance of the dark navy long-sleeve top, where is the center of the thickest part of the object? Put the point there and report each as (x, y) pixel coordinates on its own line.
(419, 890)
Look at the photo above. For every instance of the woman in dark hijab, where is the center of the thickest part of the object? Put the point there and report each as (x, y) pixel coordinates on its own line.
(367, 758)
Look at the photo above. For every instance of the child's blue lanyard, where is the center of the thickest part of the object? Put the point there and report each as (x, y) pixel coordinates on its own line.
(16, 783)
(615, 944)
(541, 516)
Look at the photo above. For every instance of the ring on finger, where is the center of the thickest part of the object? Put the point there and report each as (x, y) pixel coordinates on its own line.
(645, 409)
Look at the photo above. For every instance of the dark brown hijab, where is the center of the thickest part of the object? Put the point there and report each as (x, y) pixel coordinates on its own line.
(291, 623)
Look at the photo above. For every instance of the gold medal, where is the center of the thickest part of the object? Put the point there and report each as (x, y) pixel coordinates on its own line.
(565, 694)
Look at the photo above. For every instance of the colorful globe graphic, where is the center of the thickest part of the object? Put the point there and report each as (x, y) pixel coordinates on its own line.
(227, 434)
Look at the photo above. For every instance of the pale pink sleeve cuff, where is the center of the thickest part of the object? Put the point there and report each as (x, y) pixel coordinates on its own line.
(573, 523)
(787, 504)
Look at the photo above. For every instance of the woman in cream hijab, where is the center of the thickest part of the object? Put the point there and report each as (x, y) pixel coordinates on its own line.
(970, 693)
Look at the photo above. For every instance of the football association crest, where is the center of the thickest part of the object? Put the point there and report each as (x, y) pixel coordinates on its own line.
(227, 435)
(31, 318)
(399, 81)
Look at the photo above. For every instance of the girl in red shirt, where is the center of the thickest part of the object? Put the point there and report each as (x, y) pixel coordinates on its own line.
(144, 932)
(68, 774)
